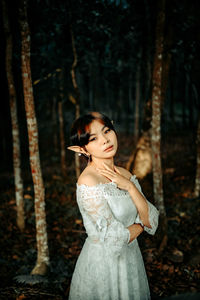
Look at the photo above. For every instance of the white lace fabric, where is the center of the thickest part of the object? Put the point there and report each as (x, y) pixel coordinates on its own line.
(99, 221)
(109, 268)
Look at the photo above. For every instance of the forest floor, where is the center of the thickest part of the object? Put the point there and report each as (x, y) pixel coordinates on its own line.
(175, 271)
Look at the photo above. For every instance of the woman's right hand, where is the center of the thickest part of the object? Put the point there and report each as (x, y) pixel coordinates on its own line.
(135, 230)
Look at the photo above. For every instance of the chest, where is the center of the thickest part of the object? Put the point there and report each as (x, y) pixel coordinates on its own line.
(121, 205)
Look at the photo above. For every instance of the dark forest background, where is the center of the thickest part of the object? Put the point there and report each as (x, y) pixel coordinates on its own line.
(112, 38)
(115, 43)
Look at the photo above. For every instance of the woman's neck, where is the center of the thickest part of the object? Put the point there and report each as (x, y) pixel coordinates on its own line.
(98, 163)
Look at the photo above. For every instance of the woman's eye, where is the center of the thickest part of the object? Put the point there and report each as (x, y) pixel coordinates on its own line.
(107, 130)
(93, 139)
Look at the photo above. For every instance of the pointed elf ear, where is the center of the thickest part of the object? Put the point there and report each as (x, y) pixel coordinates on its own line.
(79, 150)
(75, 149)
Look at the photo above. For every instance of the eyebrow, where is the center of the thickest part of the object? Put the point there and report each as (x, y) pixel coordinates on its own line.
(102, 129)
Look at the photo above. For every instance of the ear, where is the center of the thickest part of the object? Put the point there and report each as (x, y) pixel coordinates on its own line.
(75, 149)
(78, 149)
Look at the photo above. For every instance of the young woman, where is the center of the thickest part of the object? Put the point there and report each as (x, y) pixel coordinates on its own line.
(114, 212)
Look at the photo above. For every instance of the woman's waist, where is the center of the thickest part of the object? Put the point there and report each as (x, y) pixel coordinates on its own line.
(94, 241)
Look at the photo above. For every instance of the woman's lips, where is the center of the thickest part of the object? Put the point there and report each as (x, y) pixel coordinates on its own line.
(108, 149)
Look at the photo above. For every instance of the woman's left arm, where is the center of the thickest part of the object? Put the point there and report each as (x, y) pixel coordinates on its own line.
(153, 213)
(147, 212)
(140, 203)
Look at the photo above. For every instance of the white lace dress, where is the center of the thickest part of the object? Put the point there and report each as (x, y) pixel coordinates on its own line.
(109, 268)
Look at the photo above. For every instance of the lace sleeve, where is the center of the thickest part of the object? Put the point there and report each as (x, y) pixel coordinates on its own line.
(152, 211)
(112, 233)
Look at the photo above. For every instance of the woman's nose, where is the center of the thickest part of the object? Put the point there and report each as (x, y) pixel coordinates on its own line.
(105, 139)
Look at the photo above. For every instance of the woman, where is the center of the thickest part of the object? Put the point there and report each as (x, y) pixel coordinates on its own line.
(114, 212)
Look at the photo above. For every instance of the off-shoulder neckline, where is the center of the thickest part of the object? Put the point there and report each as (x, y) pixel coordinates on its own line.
(95, 185)
(100, 184)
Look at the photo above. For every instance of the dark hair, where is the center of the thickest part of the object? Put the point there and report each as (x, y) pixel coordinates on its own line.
(80, 128)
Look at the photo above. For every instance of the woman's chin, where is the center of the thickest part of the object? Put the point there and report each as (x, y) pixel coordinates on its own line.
(111, 154)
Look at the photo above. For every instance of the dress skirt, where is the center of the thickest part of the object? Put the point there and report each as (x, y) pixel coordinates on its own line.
(99, 275)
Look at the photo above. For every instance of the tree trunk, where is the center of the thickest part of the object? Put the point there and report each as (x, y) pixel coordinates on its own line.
(156, 118)
(14, 121)
(141, 157)
(76, 99)
(40, 216)
(197, 179)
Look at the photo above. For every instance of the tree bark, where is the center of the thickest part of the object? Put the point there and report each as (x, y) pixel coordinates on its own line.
(197, 179)
(14, 122)
(40, 216)
(156, 117)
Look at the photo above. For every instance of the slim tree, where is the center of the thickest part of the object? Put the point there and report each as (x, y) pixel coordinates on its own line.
(40, 217)
(14, 121)
(156, 118)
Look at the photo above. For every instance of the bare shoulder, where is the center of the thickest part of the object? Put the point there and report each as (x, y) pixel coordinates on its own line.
(124, 172)
(89, 178)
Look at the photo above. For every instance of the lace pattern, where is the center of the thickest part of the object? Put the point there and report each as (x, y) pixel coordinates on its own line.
(98, 215)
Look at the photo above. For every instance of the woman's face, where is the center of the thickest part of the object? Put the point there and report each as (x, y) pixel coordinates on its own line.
(102, 142)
